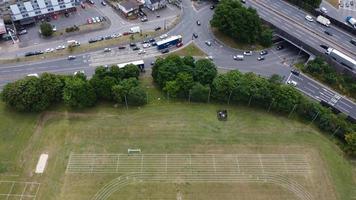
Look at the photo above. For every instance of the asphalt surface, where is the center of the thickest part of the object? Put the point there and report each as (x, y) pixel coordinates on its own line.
(292, 20)
(276, 62)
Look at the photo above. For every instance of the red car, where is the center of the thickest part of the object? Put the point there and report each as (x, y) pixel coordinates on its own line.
(180, 44)
(89, 21)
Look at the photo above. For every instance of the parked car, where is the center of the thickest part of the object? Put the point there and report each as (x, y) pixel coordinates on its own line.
(263, 52)
(323, 9)
(195, 35)
(179, 44)
(165, 51)
(93, 20)
(212, 7)
(60, 47)
(54, 28)
(209, 57)
(353, 41)
(136, 48)
(103, 3)
(22, 32)
(82, 5)
(248, 53)
(29, 54)
(163, 36)
(152, 40)
(208, 43)
(121, 47)
(97, 19)
(71, 57)
(89, 20)
(157, 28)
(49, 50)
(91, 2)
(238, 57)
(198, 23)
(133, 44)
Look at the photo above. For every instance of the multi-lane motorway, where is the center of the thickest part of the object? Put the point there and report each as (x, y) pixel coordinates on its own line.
(277, 62)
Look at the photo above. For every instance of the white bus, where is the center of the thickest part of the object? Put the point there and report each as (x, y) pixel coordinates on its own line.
(139, 63)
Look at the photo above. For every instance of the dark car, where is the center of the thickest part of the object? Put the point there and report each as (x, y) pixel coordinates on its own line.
(198, 23)
(165, 51)
(152, 40)
(324, 46)
(328, 33)
(37, 52)
(92, 40)
(133, 44)
(121, 47)
(353, 41)
(280, 47)
(158, 28)
(263, 52)
(295, 72)
(108, 37)
(154, 44)
(91, 1)
(212, 7)
(195, 35)
(136, 48)
(29, 54)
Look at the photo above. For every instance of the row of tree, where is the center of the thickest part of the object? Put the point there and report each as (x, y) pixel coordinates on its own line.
(321, 70)
(241, 23)
(198, 81)
(34, 94)
(306, 4)
(184, 77)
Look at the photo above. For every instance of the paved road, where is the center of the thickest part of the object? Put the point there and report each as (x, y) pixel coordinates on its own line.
(277, 62)
(288, 17)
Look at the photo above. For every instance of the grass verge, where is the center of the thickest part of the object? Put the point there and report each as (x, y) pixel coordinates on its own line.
(190, 50)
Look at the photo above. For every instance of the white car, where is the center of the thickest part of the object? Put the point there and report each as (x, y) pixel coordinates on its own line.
(163, 36)
(97, 19)
(33, 75)
(208, 43)
(209, 57)
(49, 50)
(146, 45)
(107, 50)
(141, 52)
(309, 18)
(248, 53)
(238, 57)
(60, 47)
(323, 9)
(93, 20)
(293, 83)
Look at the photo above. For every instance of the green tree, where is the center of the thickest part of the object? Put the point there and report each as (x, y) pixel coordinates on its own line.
(52, 87)
(171, 88)
(266, 37)
(275, 79)
(199, 93)
(46, 29)
(122, 89)
(26, 95)
(129, 71)
(205, 71)
(136, 96)
(103, 86)
(189, 60)
(185, 82)
(78, 93)
(350, 139)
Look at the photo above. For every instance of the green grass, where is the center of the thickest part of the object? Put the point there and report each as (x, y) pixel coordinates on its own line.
(227, 40)
(190, 50)
(162, 126)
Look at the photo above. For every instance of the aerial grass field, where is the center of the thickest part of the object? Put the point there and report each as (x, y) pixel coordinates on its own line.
(164, 127)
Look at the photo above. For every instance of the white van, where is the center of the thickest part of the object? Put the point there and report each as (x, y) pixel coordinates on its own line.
(238, 57)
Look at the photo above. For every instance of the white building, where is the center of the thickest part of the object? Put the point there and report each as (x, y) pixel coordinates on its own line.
(155, 4)
(39, 8)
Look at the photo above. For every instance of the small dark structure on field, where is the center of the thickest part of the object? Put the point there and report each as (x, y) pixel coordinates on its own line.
(222, 115)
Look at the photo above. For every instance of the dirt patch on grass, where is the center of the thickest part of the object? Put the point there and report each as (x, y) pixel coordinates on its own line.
(335, 3)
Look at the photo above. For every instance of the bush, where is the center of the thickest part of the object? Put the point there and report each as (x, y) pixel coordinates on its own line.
(46, 29)
(199, 93)
(136, 96)
(78, 93)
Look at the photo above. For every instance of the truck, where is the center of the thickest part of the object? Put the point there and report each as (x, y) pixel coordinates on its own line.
(341, 58)
(174, 40)
(135, 29)
(323, 20)
(73, 43)
(351, 21)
